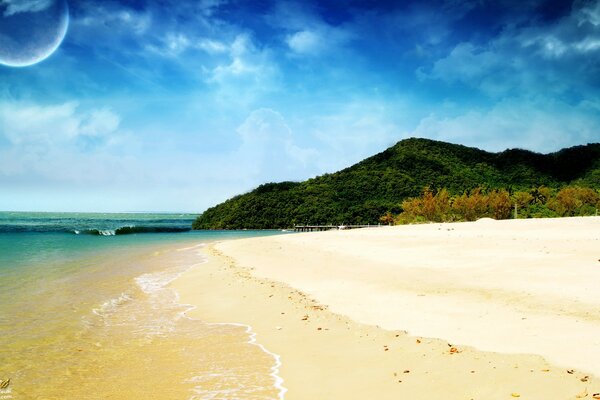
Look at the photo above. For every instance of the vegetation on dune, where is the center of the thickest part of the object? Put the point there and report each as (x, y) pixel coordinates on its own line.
(378, 186)
(498, 204)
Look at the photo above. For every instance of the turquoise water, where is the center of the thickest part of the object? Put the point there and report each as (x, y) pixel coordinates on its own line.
(102, 223)
(28, 239)
(82, 299)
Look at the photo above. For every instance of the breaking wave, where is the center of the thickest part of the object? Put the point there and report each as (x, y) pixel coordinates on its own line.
(128, 230)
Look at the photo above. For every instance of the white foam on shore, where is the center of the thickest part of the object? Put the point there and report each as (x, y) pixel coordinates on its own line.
(275, 368)
(155, 281)
(252, 335)
(112, 304)
(153, 284)
(162, 298)
(201, 245)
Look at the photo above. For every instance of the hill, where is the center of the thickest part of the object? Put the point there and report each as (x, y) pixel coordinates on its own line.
(365, 191)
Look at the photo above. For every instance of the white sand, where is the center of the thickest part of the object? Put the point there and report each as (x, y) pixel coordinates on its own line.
(516, 286)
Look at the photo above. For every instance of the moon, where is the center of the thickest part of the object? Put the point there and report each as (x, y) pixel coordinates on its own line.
(31, 30)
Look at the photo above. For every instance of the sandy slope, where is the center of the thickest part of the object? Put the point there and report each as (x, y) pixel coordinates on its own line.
(528, 287)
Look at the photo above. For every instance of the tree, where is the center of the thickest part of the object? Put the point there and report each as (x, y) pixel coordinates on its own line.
(575, 200)
(540, 195)
(523, 199)
(387, 219)
(500, 204)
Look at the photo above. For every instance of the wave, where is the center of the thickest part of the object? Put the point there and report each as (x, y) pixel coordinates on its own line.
(123, 230)
(112, 304)
(128, 230)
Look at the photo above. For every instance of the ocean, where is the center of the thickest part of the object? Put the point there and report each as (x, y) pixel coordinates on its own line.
(86, 312)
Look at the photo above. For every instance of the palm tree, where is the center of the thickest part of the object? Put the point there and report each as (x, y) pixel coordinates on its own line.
(538, 195)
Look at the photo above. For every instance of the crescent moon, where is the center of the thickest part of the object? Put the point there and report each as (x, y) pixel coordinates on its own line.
(31, 30)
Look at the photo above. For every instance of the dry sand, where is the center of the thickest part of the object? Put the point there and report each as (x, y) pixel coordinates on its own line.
(493, 309)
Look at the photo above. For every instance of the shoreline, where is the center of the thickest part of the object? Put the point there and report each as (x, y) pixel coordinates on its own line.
(327, 351)
(189, 308)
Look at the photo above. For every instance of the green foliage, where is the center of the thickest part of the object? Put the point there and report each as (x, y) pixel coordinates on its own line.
(442, 207)
(365, 192)
(575, 200)
(537, 203)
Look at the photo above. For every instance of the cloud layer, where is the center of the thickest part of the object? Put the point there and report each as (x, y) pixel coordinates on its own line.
(23, 6)
(175, 105)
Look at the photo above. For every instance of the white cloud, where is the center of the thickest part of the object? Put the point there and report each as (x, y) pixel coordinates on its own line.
(244, 74)
(53, 124)
(268, 149)
(245, 59)
(354, 131)
(528, 58)
(166, 28)
(173, 44)
(572, 36)
(541, 77)
(22, 6)
(539, 125)
(588, 45)
(304, 42)
(100, 122)
(317, 38)
(308, 34)
(464, 63)
(211, 46)
(589, 12)
(38, 124)
(50, 143)
(207, 7)
(115, 20)
(177, 43)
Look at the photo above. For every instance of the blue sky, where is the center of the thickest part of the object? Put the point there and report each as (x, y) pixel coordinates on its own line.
(176, 105)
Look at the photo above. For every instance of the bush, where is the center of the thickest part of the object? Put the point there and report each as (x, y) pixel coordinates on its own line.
(498, 204)
(575, 200)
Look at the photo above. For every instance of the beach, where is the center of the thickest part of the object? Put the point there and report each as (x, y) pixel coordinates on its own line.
(479, 310)
(86, 312)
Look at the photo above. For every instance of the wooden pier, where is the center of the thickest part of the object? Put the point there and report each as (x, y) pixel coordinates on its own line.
(317, 228)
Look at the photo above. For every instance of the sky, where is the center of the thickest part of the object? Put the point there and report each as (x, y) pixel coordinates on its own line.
(177, 105)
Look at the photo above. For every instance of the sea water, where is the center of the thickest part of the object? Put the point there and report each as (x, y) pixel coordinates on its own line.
(86, 312)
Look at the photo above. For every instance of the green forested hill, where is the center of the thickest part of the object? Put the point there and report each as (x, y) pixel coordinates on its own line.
(365, 191)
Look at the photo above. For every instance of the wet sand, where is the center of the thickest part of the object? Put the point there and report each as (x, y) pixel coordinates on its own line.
(493, 309)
